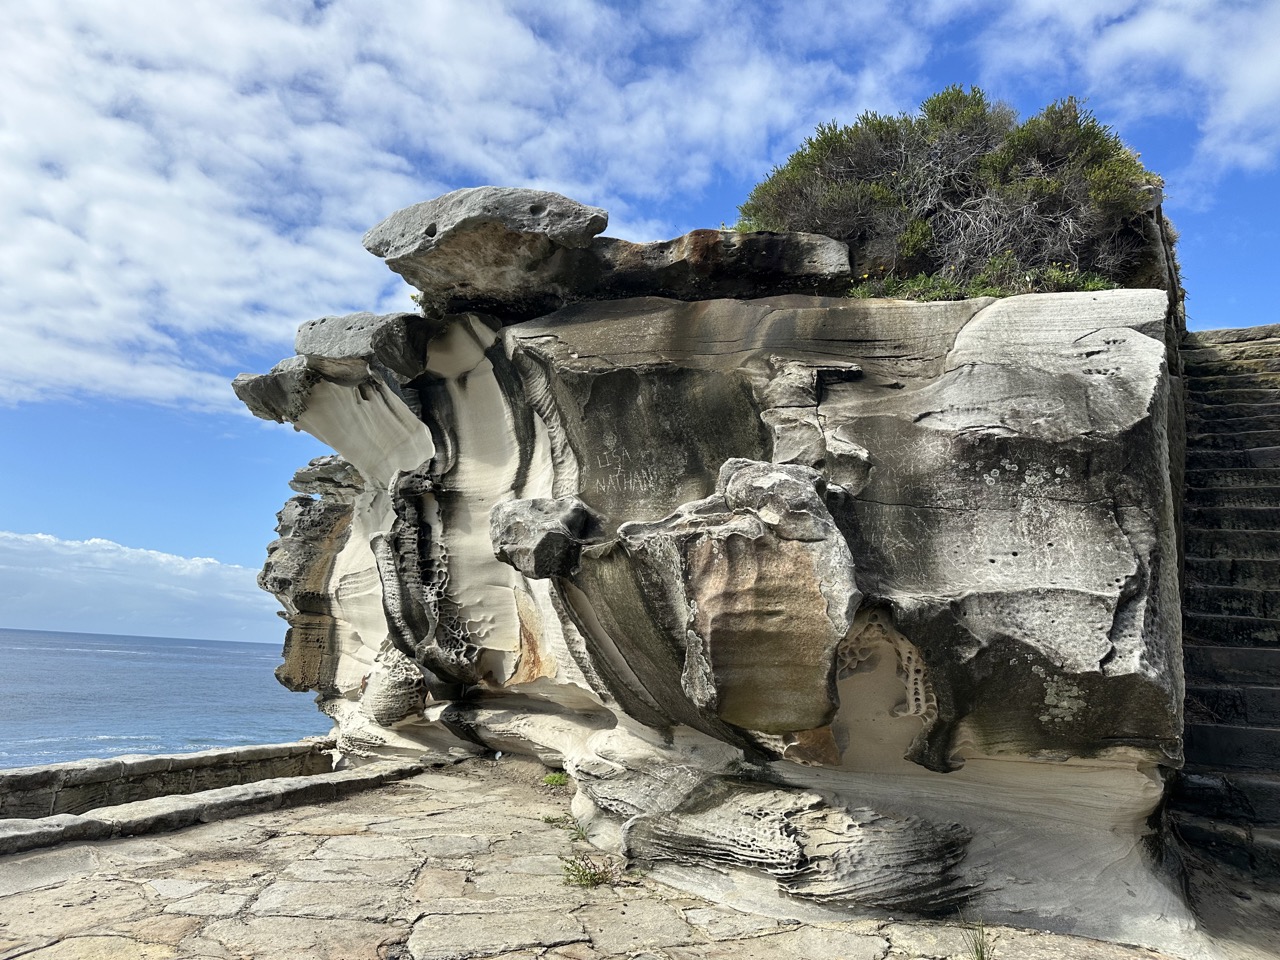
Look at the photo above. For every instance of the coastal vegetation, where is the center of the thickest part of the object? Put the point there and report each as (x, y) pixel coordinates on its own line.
(962, 199)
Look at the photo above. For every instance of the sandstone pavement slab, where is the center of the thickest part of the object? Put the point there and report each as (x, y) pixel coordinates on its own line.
(209, 905)
(362, 879)
(103, 948)
(326, 901)
(363, 846)
(77, 907)
(292, 938)
(460, 936)
(623, 928)
(723, 923)
(46, 868)
(390, 871)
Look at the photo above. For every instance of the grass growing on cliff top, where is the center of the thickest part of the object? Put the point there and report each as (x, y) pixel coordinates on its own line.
(1003, 276)
(962, 199)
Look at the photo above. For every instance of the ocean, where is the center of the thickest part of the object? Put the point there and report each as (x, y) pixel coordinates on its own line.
(66, 696)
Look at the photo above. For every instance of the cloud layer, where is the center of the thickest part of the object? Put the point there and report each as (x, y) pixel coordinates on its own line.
(183, 183)
(98, 586)
(1206, 64)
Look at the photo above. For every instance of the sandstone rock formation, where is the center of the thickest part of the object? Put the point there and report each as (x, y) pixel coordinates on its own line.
(853, 604)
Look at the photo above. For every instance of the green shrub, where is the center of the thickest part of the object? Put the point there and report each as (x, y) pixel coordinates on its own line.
(963, 200)
(558, 779)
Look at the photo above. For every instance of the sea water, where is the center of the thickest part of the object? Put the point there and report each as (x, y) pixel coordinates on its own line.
(66, 696)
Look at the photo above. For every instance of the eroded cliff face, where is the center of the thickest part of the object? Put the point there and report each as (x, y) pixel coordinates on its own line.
(861, 604)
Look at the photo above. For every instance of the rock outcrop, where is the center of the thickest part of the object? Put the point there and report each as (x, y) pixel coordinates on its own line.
(861, 604)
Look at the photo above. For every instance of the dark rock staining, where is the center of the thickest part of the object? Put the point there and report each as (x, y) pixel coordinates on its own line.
(867, 603)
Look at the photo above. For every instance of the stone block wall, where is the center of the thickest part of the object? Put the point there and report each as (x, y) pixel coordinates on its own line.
(82, 785)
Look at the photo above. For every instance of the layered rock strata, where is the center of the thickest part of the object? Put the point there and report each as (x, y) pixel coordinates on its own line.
(860, 604)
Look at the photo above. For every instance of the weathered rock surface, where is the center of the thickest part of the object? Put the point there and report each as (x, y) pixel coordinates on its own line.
(865, 603)
(519, 253)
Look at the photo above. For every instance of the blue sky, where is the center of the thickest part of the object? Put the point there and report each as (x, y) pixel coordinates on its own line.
(182, 184)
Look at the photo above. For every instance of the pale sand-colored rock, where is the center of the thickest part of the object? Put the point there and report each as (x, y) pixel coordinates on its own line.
(495, 880)
(414, 825)
(938, 399)
(771, 947)
(175, 889)
(446, 785)
(499, 902)
(434, 884)
(162, 928)
(363, 847)
(347, 901)
(931, 940)
(472, 935)
(566, 899)
(104, 948)
(335, 871)
(424, 824)
(45, 869)
(720, 923)
(209, 905)
(448, 846)
(573, 951)
(827, 943)
(231, 843)
(622, 928)
(543, 844)
(246, 890)
(290, 938)
(538, 865)
(331, 829)
(218, 869)
(75, 907)
(138, 850)
(863, 605)
(1033, 945)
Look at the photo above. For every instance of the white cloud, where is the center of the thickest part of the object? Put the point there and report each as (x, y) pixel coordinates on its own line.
(1210, 63)
(182, 184)
(98, 586)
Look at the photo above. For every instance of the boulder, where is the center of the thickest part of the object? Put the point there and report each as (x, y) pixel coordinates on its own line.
(396, 342)
(484, 245)
(821, 601)
(521, 253)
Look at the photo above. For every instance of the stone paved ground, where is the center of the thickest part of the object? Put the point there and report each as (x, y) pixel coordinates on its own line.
(459, 863)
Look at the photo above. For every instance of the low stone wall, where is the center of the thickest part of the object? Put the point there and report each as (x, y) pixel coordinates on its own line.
(176, 811)
(82, 785)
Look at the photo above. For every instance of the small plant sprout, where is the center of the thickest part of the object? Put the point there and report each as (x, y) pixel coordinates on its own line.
(585, 871)
(557, 779)
(977, 942)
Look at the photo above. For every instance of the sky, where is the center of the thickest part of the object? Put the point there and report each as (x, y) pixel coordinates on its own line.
(183, 184)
